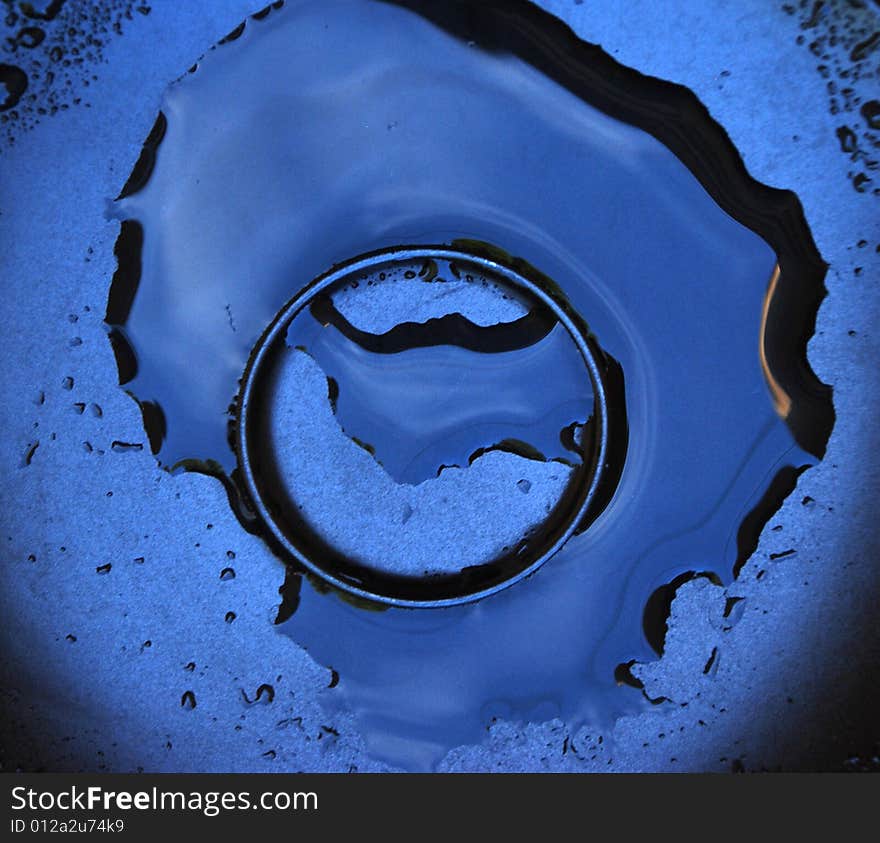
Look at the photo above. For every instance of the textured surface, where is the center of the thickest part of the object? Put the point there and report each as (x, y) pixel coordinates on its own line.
(96, 658)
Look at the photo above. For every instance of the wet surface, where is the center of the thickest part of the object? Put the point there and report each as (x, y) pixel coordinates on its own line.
(750, 652)
(842, 39)
(706, 319)
(50, 55)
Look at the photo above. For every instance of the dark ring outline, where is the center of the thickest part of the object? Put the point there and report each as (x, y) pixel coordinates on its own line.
(275, 332)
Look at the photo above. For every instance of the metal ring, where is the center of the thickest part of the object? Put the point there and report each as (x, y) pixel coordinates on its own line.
(250, 387)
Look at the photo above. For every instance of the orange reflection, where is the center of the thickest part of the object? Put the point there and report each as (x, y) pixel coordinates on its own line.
(781, 399)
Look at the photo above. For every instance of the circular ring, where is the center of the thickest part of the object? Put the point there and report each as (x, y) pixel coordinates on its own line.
(472, 583)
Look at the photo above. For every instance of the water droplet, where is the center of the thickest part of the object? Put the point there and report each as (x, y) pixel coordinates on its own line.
(871, 112)
(711, 665)
(29, 453)
(864, 48)
(30, 37)
(734, 607)
(125, 447)
(265, 691)
(861, 181)
(15, 81)
(848, 140)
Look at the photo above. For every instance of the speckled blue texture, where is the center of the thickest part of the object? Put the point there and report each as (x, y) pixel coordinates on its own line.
(112, 585)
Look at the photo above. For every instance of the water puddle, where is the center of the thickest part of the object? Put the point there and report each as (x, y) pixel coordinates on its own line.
(456, 306)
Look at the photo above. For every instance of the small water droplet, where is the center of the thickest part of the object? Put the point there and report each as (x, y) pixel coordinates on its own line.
(847, 138)
(125, 447)
(265, 691)
(712, 662)
(29, 453)
(864, 48)
(30, 37)
(861, 182)
(871, 112)
(15, 81)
